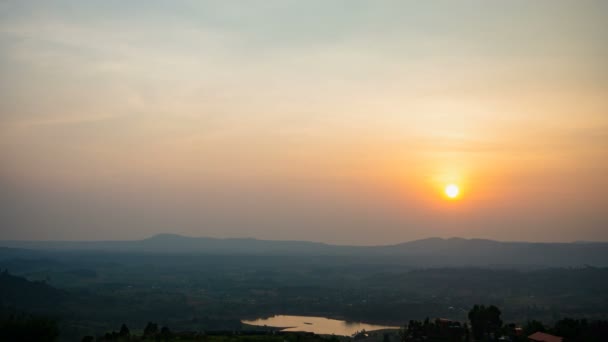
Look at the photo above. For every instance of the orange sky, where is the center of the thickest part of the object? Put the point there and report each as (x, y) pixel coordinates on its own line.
(338, 122)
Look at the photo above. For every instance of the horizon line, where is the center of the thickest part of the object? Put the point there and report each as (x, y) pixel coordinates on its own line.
(305, 241)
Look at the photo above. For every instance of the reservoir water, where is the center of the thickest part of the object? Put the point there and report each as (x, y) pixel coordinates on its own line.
(317, 325)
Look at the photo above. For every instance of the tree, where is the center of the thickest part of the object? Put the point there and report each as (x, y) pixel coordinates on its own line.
(124, 331)
(165, 333)
(533, 326)
(569, 328)
(485, 320)
(151, 329)
(23, 327)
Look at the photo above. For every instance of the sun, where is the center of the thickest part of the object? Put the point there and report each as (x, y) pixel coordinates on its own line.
(452, 191)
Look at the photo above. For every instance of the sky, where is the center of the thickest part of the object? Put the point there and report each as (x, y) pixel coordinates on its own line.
(332, 121)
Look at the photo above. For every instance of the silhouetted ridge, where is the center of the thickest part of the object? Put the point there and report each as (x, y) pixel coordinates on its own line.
(166, 236)
(24, 294)
(425, 252)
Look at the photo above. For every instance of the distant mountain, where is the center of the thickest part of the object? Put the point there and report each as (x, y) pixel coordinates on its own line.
(426, 252)
(173, 243)
(458, 251)
(28, 295)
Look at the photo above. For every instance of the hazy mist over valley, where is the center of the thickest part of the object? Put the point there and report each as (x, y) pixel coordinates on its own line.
(303, 171)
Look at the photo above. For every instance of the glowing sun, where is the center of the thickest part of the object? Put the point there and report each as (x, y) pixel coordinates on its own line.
(452, 191)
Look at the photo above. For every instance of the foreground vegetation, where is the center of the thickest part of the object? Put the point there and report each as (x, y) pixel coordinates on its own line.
(484, 324)
(91, 293)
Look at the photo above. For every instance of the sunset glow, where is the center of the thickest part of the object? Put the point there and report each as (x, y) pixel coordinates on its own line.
(304, 120)
(304, 166)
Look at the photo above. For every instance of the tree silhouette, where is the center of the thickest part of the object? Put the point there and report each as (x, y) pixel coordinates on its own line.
(467, 336)
(533, 326)
(485, 320)
(151, 329)
(124, 331)
(165, 333)
(22, 327)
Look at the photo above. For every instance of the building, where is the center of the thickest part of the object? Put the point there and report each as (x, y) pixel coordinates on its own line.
(544, 337)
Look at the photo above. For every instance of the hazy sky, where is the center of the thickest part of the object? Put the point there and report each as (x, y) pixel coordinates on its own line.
(333, 121)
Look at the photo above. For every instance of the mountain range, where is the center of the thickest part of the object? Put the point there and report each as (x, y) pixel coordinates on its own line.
(425, 252)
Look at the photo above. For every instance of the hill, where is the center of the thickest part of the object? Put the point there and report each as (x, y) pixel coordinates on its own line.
(28, 295)
(426, 252)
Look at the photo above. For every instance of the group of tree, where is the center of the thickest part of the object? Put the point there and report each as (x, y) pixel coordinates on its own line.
(573, 330)
(21, 327)
(485, 321)
(486, 325)
(152, 333)
(435, 330)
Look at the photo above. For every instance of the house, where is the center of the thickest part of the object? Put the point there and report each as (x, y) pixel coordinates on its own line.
(544, 337)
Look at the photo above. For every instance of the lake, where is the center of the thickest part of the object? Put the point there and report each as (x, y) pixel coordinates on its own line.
(317, 325)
